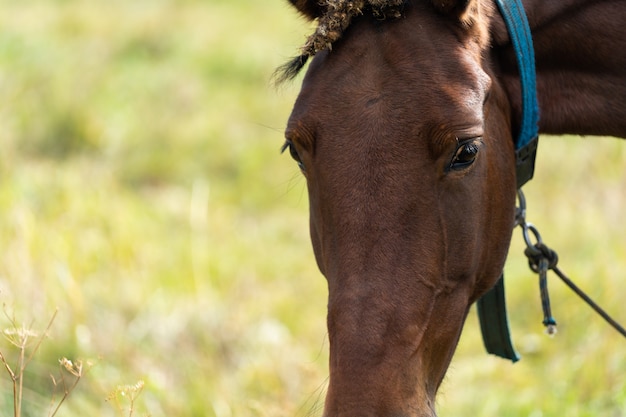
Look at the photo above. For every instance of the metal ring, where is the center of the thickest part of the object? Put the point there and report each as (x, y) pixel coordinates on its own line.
(533, 247)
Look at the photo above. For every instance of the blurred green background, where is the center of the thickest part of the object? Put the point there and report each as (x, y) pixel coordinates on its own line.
(143, 195)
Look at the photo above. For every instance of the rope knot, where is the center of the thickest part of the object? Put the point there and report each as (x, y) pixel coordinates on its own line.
(539, 252)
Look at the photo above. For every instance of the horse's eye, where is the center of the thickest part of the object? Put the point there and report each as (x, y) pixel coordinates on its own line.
(465, 155)
(293, 152)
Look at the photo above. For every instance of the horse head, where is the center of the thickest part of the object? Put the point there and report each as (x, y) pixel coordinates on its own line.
(403, 130)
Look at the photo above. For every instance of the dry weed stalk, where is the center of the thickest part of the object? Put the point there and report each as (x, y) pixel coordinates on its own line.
(25, 339)
(77, 370)
(21, 337)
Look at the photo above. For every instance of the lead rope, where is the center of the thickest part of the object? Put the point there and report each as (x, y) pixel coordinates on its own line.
(541, 259)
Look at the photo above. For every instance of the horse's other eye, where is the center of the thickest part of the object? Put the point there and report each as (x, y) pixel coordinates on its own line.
(465, 154)
(293, 152)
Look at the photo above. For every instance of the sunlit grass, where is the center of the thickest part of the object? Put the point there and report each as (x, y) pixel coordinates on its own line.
(143, 195)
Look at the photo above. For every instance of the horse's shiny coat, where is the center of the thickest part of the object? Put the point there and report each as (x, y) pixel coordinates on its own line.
(404, 132)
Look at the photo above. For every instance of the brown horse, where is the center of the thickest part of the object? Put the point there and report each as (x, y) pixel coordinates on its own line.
(403, 129)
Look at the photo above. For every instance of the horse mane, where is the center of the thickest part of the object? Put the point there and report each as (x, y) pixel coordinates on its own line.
(335, 19)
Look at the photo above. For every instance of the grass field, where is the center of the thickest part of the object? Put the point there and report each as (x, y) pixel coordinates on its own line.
(143, 196)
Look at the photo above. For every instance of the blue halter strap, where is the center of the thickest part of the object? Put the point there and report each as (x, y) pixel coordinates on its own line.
(519, 32)
(491, 307)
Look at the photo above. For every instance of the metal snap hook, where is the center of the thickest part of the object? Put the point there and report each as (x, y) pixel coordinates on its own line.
(527, 228)
(520, 211)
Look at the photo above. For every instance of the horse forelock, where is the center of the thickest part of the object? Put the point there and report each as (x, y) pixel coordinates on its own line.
(337, 15)
(336, 18)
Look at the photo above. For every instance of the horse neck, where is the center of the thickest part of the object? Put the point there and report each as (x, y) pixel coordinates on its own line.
(580, 53)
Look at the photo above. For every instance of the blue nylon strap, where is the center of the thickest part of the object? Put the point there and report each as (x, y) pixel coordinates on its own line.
(494, 323)
(519, 31)
(491, 306)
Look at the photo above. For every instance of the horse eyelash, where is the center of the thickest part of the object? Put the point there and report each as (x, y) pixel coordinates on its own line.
(293, 152)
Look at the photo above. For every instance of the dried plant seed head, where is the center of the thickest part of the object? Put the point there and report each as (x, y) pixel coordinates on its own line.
(74, 368)
(19, 337)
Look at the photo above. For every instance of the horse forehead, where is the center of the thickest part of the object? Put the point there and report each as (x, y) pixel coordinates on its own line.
(390, 96)
(399, 61)
(384, 74)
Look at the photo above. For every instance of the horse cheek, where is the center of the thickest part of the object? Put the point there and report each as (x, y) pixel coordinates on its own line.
(316, 230)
